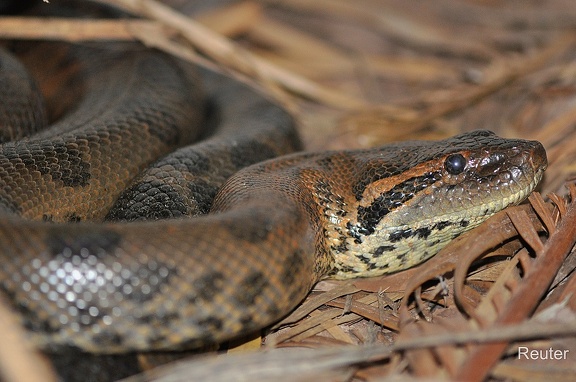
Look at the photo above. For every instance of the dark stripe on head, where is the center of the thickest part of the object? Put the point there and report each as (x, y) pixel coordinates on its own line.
(418, 152)
(370, 216)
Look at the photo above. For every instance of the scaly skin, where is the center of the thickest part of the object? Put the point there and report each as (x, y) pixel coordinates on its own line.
(275, 228)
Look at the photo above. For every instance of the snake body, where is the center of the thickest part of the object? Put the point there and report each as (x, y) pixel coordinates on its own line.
(274, 229)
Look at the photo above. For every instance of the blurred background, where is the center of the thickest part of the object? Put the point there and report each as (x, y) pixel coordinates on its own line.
(384, 70)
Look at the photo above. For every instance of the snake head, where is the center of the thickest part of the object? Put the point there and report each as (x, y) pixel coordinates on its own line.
(412, 198)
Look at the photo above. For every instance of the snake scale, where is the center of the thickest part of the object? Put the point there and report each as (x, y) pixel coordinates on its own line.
(274, 229)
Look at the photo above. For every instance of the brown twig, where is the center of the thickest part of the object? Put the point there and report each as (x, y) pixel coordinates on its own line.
(525, 297)
(288, 365)
(18, 359)
(159, 33)
(26, 28)
(474, 244)
(226, 52)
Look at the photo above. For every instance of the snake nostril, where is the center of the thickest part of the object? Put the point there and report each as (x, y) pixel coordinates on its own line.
(538, 157)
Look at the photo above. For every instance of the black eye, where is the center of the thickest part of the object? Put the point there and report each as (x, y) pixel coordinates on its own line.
(455, 164)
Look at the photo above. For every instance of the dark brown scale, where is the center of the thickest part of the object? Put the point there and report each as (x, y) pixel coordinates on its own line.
(370, 216)
(22, 111)
(117, 287)
(249, 129)
(113, 133)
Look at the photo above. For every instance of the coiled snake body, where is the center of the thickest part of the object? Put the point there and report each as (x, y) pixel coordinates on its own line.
(275, 228)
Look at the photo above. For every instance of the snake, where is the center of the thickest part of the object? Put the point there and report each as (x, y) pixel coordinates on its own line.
(98, 252)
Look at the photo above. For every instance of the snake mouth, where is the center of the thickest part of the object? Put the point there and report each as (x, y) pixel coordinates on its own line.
(391, 236)
(491, 205)
(475, 199)
(512, 185)
(494, 184)
(397, 247)
(480, 209)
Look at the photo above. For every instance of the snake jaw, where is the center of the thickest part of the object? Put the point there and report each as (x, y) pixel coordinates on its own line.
(389, 233)
(275, 229)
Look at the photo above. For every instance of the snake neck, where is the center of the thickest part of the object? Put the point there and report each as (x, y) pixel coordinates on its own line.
(411, 199)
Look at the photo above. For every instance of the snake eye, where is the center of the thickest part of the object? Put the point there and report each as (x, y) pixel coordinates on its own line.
(455, 164)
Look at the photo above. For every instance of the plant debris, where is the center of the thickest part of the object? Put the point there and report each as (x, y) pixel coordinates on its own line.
(367, 72)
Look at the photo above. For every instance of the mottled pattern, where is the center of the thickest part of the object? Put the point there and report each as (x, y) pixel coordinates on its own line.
(81, 164)
(104, 293)
(403, 219)
(249, 129)
(275, 228)
(24, 113)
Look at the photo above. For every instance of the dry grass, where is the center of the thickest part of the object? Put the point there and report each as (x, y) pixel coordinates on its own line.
(368, 72)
